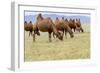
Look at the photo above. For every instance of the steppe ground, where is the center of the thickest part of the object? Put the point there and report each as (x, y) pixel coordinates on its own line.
(70, 48)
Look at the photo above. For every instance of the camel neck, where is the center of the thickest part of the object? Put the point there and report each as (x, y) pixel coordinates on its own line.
(54, 28)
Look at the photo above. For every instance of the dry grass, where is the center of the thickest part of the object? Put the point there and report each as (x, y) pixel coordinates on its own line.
(71, 48)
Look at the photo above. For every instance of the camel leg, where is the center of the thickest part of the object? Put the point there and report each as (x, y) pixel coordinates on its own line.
(74, 29)
(34, 36)
(53, 35)
(81, 29)
(65, 33)
(49, 36)
(29, 33)
(70, 32)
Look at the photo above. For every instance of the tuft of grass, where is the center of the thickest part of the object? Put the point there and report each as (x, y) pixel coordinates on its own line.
(70, 48)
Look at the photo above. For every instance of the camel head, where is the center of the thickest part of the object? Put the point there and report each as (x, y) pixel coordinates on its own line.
(60, 35)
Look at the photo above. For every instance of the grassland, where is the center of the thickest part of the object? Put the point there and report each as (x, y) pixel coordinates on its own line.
(71, 48)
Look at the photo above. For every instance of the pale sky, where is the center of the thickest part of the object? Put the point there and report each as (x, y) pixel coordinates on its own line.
(67, 14)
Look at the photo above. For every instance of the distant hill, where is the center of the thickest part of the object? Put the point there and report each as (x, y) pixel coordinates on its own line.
(84, 19)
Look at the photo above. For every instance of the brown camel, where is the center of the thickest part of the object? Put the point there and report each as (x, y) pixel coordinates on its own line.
(72, 24)
(78, 24)
(62, 25)
(75, 25)
(46, 25)
(28, 27)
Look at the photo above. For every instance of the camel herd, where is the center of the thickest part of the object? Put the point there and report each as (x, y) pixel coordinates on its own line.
(59, 27)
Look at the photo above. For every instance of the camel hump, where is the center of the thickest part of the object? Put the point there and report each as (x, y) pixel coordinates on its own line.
(39, 16)
(49, 18)
(30, 22)
(62, 18)
(57, 18)
(66, 19)
(25, 22)
(78, 19)
(73, 20)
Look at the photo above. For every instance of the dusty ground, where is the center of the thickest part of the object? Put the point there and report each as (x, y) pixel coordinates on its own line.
(71, 48)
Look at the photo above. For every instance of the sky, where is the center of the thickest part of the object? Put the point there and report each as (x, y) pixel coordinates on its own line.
(31, 16)
(66, 14)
